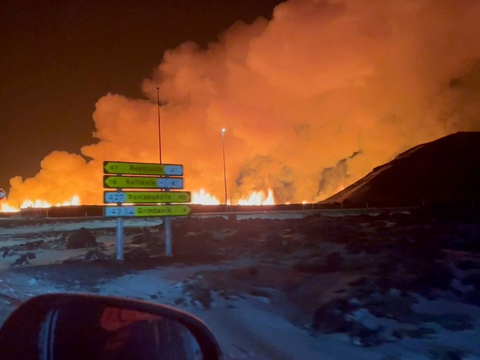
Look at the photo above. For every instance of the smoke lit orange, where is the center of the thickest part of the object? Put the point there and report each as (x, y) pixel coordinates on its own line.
(312, 100)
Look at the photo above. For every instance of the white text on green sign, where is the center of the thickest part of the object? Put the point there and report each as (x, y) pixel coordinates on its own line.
(136, 182)
(144, 211)
(117, 167)
(146, 197)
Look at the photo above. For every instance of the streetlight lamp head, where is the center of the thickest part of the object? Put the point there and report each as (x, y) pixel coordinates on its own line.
(156, 87)
(223, 130)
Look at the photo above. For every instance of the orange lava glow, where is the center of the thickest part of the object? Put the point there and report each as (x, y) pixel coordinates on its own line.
(255, 198)
(258, 198)
(201, 197)
(37, 204)
(5, 208)
(204, 198)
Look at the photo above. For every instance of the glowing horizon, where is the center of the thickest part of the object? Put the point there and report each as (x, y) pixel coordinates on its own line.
(200, 197)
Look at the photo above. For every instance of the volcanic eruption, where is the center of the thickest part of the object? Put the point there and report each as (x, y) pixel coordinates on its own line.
(312, 100)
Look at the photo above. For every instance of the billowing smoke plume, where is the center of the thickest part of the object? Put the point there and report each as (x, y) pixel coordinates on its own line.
(297, 94)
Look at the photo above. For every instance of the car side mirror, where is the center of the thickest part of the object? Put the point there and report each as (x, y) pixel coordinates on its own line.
(73, 326)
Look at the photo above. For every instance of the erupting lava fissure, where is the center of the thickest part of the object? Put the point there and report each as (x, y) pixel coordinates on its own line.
(258, 198)
(198, 197)
(38, 204)
(204, 198)
(311, 101)
(255, 198)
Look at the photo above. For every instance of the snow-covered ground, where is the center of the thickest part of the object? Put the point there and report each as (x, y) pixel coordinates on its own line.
(249, 328)
(74, 225)
(246, 326)
(24, 232)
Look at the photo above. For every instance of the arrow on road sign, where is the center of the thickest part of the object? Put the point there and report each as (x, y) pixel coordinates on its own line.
(146, 197)
(144, 211)
(118, 167)
(133, 182)
(120, 211)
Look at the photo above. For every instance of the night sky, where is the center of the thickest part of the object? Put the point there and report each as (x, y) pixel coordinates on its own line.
(58, 58)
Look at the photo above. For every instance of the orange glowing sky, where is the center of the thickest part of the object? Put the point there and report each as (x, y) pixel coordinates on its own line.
(312, 100)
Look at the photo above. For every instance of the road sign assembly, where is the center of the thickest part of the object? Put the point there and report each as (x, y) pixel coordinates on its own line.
(139, 176)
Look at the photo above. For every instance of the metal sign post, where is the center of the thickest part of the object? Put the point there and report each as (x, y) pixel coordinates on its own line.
(120, 239)
(168, 237)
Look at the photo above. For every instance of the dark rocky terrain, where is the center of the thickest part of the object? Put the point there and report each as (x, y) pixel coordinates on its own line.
(323, 274)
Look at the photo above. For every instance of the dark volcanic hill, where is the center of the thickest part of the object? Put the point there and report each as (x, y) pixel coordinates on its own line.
(446, 169)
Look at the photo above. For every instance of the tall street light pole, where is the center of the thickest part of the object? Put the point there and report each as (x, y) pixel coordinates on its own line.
(224, 170)
(159, 127)
(168, 219)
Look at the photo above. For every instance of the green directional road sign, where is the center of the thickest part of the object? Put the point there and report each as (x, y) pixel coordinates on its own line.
(169, 210)
(143, 211)
(142, 182)
(118, 167)
(146, 197)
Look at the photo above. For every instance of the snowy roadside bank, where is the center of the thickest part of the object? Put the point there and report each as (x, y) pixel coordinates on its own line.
(387, 287)
(74, 225)
(249, 327)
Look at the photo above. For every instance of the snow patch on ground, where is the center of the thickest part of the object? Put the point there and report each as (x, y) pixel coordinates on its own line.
(246, 329)
(71, 226)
